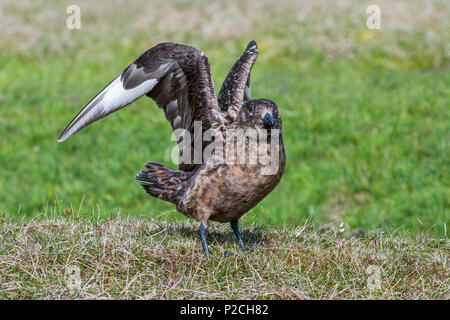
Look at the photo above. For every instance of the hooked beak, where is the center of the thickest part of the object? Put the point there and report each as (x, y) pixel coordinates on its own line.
(268, 120)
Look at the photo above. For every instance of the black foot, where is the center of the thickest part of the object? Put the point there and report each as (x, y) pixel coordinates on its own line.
(203, 231)
(235, 227)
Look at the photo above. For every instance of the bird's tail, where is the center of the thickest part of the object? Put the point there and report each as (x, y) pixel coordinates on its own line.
(162, 182)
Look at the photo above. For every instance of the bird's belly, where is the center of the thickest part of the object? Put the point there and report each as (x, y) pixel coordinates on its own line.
(228, 191)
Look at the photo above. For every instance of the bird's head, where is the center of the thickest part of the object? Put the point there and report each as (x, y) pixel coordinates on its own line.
(260, 113)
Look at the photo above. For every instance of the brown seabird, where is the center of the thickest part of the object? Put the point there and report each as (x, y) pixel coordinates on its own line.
(178, 78)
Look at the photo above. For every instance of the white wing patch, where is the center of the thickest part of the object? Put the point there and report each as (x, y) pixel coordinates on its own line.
(112, 98)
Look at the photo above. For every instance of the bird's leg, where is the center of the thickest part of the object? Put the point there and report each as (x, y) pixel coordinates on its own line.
(203, 230)
(235, 227)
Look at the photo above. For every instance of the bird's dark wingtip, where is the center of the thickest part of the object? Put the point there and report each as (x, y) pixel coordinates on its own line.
(252, 46)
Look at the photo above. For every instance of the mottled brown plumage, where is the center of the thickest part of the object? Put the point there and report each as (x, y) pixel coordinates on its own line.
(177, 77)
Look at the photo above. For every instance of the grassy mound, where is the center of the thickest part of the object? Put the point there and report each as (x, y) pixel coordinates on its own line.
(149, 259)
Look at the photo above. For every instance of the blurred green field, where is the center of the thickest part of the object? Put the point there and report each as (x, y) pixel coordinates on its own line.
(366, 118)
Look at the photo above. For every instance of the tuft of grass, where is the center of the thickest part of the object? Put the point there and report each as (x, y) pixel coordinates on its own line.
(72, 258)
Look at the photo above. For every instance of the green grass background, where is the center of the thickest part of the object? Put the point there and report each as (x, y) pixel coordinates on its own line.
(365, 112)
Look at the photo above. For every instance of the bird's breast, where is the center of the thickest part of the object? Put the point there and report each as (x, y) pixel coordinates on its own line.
(228, 191)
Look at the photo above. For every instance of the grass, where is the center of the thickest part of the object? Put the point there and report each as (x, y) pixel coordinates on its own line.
(151, 259)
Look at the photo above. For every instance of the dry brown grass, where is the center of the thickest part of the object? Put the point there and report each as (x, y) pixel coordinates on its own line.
(148, 259)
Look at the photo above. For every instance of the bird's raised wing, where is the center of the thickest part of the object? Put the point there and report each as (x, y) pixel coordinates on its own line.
(236, 87)
(177, 77)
